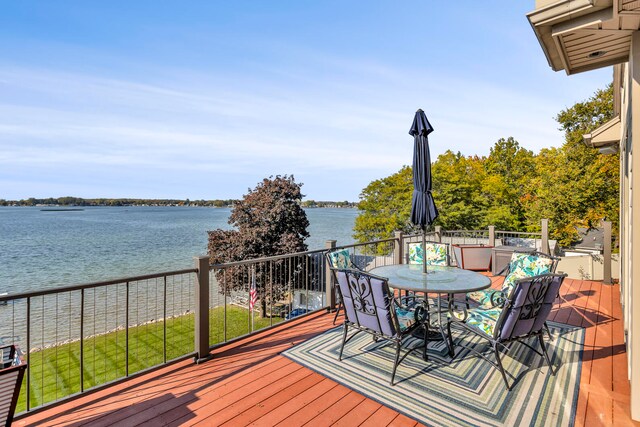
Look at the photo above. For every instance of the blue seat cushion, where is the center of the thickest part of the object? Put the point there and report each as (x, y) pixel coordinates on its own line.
(340, 259)
(406, 317)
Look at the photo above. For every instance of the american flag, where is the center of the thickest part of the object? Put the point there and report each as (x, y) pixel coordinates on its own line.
(253, 293)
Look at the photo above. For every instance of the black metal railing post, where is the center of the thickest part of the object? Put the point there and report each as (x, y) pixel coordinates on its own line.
(126, 332)
(202, 310)
(81, 340)
(164, 320)
(29, 353)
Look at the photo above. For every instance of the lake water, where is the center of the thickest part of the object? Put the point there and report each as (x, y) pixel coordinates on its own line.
(40, 249)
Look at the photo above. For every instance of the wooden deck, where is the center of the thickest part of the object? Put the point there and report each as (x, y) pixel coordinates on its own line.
(249, 382)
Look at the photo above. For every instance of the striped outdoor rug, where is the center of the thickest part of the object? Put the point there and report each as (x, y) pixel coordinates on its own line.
(466, 392)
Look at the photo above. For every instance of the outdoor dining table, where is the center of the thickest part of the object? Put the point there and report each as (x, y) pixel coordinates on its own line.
(438, 280)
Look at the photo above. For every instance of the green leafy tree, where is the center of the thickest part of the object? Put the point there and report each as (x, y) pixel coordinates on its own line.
(385, 206)
(268, 221)
(457, 190)
(575, 185)
(509, 168)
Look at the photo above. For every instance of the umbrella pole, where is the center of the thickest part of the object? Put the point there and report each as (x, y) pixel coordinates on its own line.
(424, 249)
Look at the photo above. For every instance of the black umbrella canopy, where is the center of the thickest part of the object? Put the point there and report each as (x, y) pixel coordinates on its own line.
(423, 207)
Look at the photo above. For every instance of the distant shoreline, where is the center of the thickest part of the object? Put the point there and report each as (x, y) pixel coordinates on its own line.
(77, 202)
(62, 208)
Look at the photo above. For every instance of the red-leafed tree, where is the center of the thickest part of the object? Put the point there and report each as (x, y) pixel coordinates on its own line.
(268, 221)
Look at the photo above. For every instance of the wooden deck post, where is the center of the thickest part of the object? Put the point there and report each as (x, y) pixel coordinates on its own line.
(492, 235)
(545, 236)
(398, 247)
(438, 230)
(606, 272)
(330, 295)
(202, 310)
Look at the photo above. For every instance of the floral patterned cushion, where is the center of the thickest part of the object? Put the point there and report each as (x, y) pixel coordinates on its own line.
(340, 259)
(484, 319)
(525, 265)
(406, 317)
(436, 253)
(482, 297)
(521, 265)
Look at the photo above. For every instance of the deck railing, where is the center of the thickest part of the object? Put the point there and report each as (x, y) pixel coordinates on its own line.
(84, 337)
(286, 287)
(81, 337)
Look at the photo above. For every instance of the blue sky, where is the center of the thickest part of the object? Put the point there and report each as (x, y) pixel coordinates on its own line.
(203, 99)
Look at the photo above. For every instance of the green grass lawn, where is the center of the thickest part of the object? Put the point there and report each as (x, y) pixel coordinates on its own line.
(55, 372)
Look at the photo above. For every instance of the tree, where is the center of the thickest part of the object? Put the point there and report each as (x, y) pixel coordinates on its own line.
(509, 168)
(512, 188)
(268, 221)
(575, 185)
(457, 190)
(385, 206)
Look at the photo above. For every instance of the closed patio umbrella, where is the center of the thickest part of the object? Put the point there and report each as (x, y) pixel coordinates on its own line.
(423, 208)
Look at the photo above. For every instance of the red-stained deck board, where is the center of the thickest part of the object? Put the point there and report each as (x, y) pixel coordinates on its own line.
(296, 404)
(316, 407)
(588, 298)
(274, 401)
(250, 383)
(338, 410)
(244, 399)
(208, 401)
(382, 417)
(600, 408)
(403, 421)
(359, 414)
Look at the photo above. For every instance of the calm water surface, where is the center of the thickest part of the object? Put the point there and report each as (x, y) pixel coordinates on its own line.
(41, 249)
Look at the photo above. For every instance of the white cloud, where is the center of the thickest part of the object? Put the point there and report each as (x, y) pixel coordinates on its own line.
(353, 123)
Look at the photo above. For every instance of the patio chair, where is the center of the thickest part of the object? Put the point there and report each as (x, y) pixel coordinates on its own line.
(340, 259)
(521, 265)
(520, 316)
(370, 307)
(11, 376)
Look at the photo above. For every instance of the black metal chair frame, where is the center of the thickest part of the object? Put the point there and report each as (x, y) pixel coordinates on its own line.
(398, 338)
(495, 341)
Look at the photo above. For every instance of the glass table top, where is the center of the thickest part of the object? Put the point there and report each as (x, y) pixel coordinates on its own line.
(445, 280)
